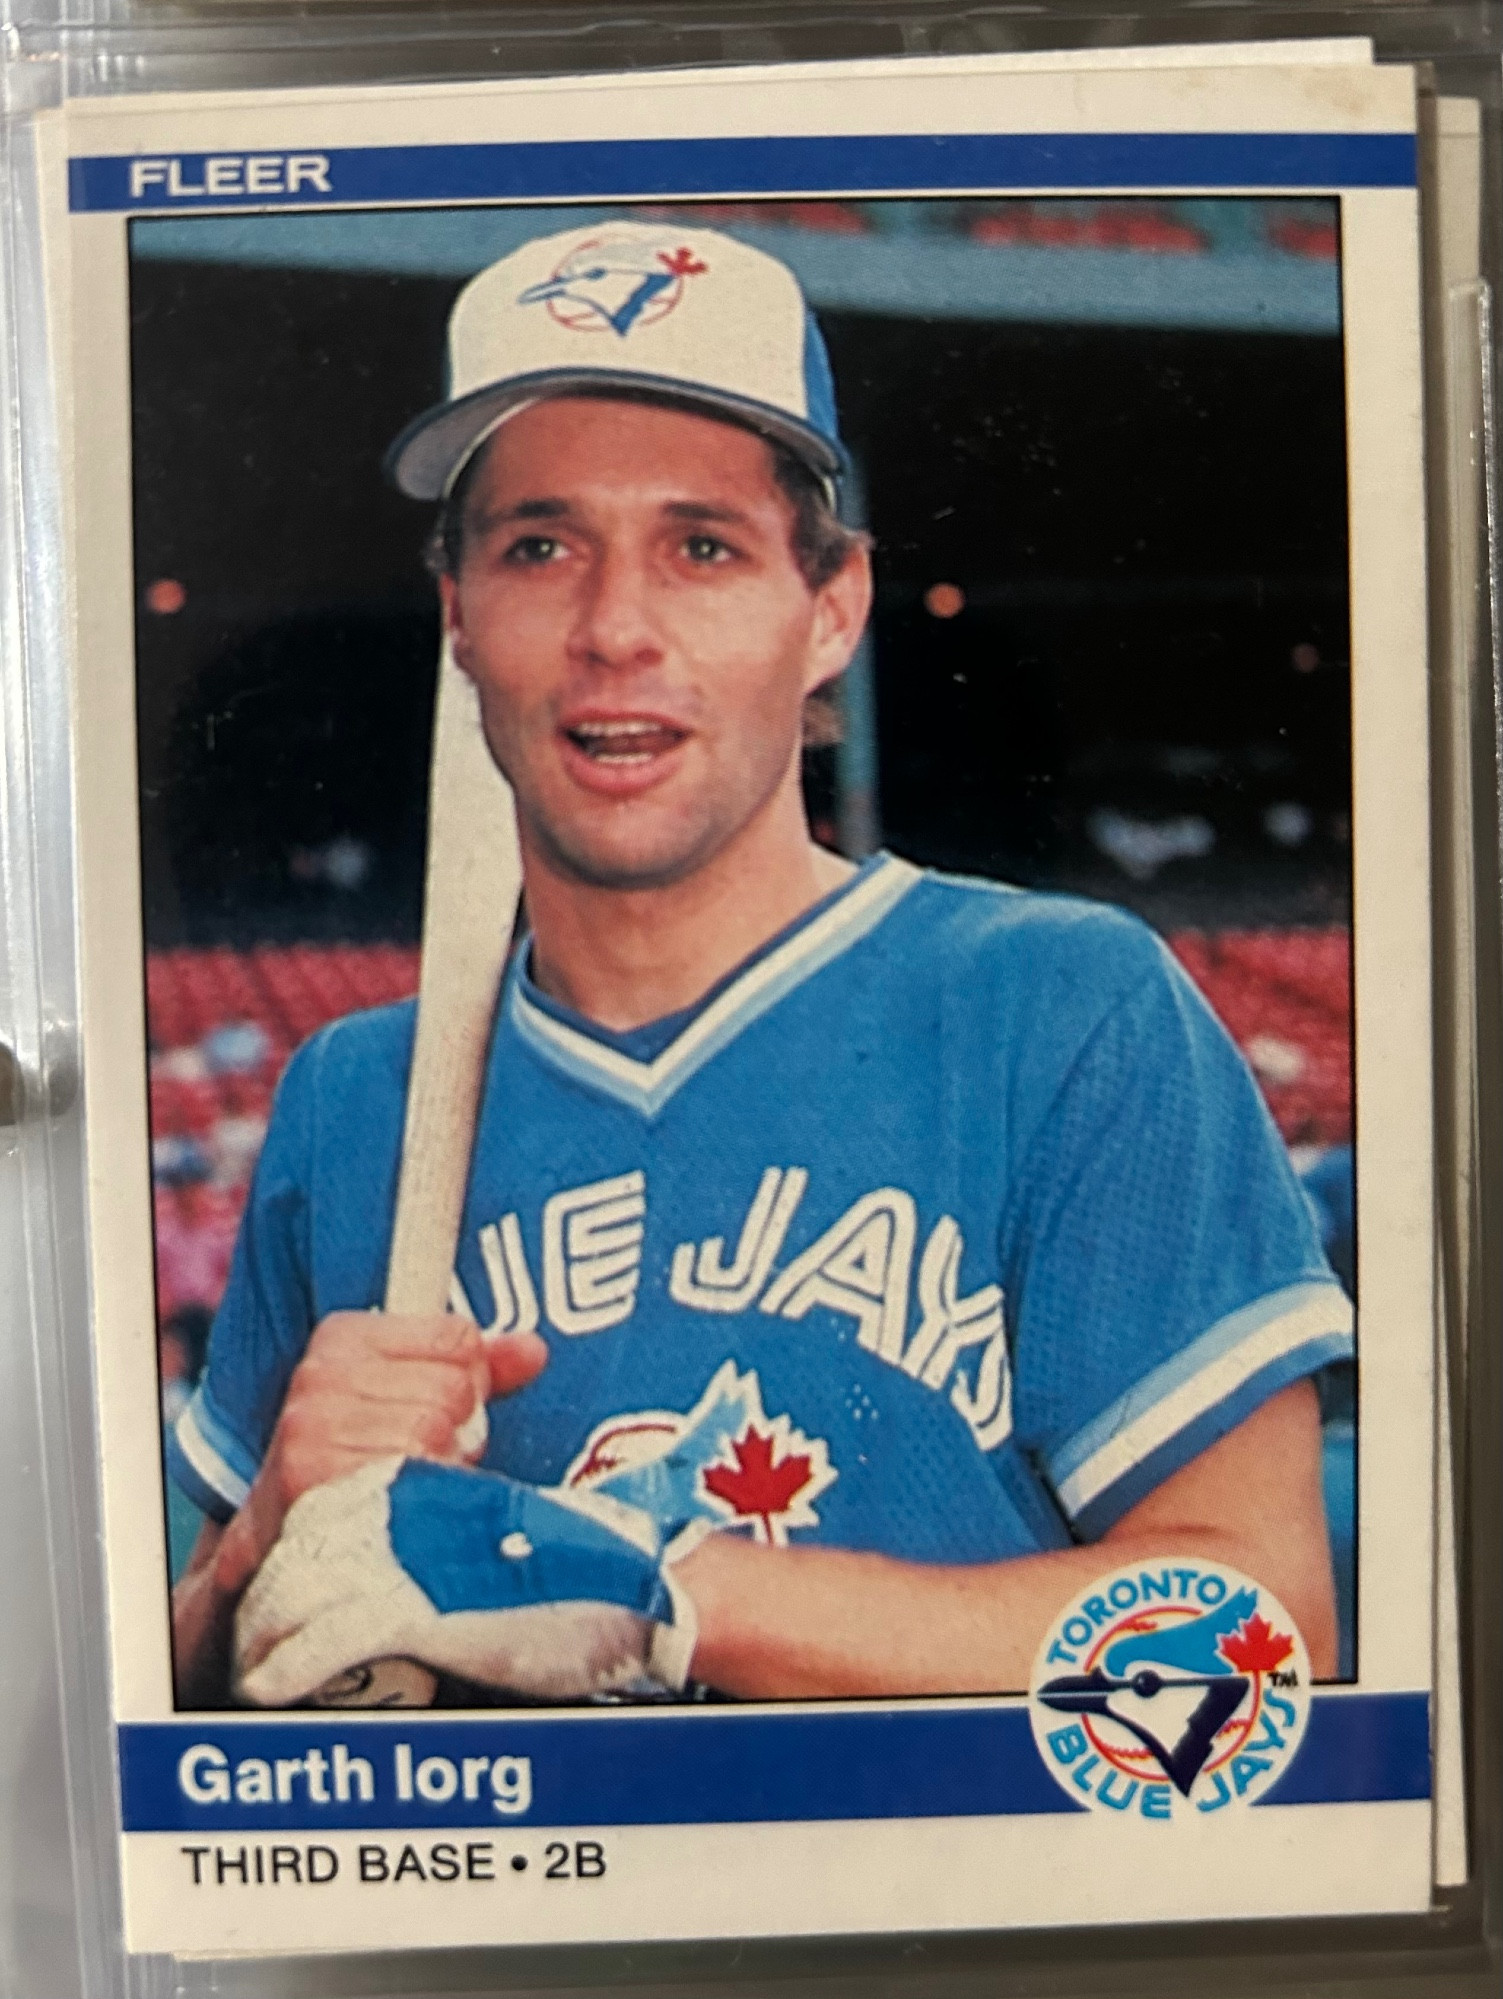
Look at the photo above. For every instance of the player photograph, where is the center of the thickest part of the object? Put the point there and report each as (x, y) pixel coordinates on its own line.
(843, 706)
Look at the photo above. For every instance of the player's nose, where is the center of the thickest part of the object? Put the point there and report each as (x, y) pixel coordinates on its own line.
(616, 624)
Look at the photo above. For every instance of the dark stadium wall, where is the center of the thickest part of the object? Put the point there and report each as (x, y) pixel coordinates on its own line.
(1143, 531)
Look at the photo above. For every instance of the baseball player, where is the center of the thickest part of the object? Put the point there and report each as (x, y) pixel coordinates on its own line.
(855, 1260)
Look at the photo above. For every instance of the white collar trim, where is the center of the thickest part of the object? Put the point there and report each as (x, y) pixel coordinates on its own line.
(647, 1086)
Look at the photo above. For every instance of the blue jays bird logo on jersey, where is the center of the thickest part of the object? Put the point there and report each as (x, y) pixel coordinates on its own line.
(724, 1464)
(1188, 1689)
(615, 283)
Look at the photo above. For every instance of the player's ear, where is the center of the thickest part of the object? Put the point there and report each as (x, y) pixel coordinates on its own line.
(453, 619)
(841, 608)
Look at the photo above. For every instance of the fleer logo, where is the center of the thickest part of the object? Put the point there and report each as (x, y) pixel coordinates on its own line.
(724, 1464)
(612, 284)
(1170, 1688)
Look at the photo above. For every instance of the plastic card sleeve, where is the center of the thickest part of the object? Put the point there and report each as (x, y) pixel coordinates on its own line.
(919, 1512)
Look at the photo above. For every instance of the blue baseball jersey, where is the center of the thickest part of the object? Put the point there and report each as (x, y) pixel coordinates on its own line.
(948, 1226)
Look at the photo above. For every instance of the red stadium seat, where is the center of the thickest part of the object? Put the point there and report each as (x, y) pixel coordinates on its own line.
(1294, 988)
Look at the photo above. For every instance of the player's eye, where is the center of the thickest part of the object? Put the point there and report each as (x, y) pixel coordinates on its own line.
(532, 550)
(706, 548)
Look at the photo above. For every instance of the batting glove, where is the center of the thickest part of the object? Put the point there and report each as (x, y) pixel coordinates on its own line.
(553, 1593)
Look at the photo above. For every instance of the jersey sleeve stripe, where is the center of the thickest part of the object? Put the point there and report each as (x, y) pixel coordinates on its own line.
(1218, 1421)
(218, 1463)
(207, 1498)
(1213, 1370)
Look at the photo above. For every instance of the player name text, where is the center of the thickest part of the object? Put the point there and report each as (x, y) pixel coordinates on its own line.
(207, 1775)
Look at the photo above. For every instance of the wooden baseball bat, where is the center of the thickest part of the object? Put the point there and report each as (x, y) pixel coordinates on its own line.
(472, 883)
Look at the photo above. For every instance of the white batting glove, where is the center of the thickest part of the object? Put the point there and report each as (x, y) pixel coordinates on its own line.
(553, 1593)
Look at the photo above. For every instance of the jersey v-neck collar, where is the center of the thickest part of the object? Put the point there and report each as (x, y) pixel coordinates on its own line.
(602, 1060)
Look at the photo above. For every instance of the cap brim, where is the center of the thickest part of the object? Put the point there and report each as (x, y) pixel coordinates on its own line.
(427, 457)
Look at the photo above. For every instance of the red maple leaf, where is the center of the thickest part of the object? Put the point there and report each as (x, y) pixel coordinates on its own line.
(757, 1488)
(1256, 1647)
(681, 263)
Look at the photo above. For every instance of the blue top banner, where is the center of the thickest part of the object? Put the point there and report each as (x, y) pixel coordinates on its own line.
(626, 169)
(218, 1774)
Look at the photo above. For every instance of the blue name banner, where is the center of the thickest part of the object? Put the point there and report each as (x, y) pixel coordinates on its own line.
(625, 169)
(657, 1767)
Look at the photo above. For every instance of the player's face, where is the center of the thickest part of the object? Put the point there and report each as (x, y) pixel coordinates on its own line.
(630, 610)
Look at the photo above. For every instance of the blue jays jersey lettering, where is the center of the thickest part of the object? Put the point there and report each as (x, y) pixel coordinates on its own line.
(948, 1226)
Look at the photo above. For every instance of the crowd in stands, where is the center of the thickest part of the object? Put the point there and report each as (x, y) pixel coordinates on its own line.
(1305, 229)
(222, 1024)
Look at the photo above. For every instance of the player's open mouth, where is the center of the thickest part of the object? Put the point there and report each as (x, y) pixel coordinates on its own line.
(624, 744)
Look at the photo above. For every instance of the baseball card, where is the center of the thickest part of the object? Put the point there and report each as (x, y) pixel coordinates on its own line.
(754, 878)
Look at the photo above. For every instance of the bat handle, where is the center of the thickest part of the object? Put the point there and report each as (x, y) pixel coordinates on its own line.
(383, 1683)
(472, 1434)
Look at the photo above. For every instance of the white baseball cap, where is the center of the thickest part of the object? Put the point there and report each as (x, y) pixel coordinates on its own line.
(686, 313)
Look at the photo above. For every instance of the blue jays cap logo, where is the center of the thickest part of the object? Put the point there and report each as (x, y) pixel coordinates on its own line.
(612, 284)
(1170, 1689)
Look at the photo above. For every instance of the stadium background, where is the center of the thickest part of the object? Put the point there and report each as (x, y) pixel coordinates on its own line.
(1101, 445)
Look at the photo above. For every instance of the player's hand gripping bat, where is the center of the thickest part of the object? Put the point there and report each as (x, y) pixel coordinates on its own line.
(473, 881)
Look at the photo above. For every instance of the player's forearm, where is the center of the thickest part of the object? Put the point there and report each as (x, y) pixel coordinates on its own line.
(205, 1601)
(821, 1622)
(790, 1623)
(203, 1623)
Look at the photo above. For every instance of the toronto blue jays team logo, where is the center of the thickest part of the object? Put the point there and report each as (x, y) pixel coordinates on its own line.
(724, 1464)
(612, 284)
(1170, 1688)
